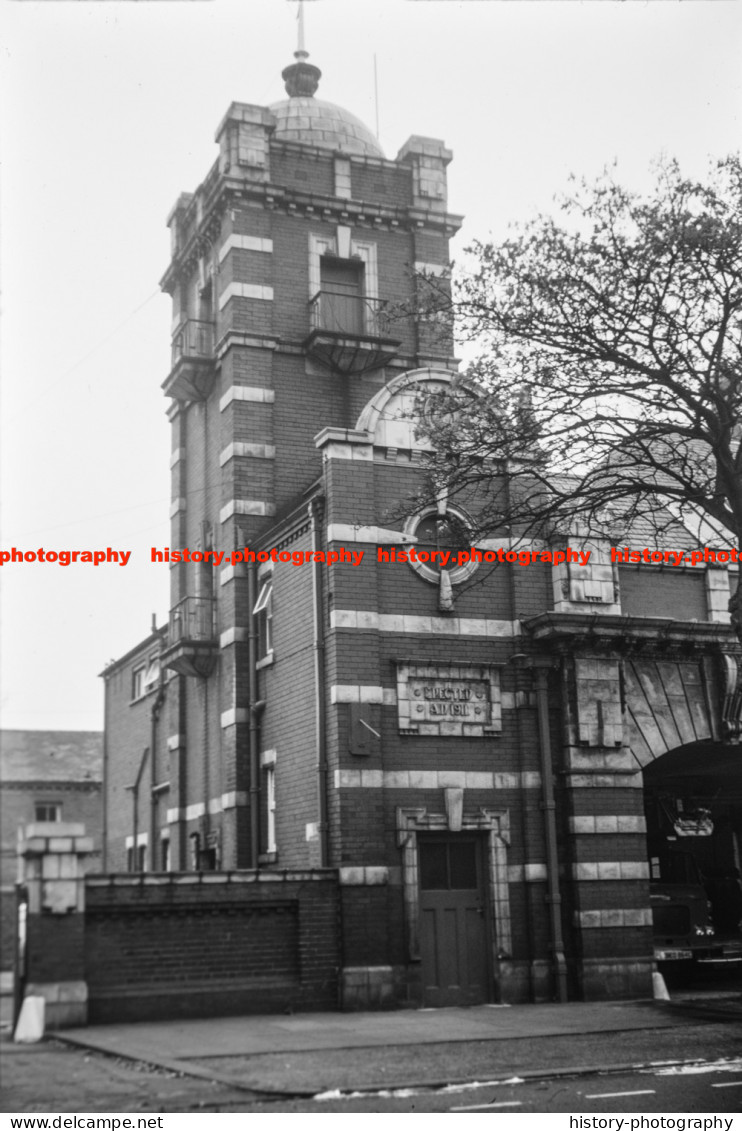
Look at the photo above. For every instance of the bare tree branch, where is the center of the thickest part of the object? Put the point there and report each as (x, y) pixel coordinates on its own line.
(607, 383)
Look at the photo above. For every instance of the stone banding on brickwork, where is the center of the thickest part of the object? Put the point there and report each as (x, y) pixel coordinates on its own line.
(614, 917)
(618, 780)
(434, 779)
(234, 715)
(607, 824)
(612, 870)
(252, 451)
(245, 290)
(216, 805)
(364, 876)
(446, 626)
(255, 394)
(233, 635)
(244, 243)
(246, 507)
(362, 693)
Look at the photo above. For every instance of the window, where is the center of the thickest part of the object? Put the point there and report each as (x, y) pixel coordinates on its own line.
(341, 285)
(448, 864)
(442, 532)
(142, 858)
(270, 803)
(263, 613)
(137, 682)
(151, 676)
(437, 533)
(165, 854)
(48, 811)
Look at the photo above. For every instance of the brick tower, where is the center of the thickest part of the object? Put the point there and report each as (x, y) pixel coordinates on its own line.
(470, 755)
(291, 266)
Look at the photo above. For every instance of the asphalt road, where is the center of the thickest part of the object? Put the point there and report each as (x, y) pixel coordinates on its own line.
(706, 1077)
(708, 1087)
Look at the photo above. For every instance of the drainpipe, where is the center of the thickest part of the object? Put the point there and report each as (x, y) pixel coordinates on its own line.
(253, 734)
(315, 516)
(104, 846)
(182, 825)
(135, 804)
(154, 792)
(553, 896)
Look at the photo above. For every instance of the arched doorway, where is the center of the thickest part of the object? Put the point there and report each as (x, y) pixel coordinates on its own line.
(693, 809)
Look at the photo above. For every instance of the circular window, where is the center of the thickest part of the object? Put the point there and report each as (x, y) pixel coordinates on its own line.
(439, 541)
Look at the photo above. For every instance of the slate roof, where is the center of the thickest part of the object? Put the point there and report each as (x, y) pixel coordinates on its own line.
(664, 530)
(51, 755)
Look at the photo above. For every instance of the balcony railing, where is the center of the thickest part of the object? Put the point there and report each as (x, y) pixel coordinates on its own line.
(339, 312)
(192, 619)
(193, 339)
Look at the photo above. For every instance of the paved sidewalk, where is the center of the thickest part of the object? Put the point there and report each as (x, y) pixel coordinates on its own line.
(245, 1036)
(307, 1053)
(286, 1060)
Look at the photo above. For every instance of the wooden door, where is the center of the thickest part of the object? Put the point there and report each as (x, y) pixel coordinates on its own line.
(453, 920)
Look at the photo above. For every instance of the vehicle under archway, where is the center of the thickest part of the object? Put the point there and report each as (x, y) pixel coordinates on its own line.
(693, 808)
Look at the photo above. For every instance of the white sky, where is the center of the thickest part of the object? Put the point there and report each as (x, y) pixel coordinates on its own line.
(109, 111)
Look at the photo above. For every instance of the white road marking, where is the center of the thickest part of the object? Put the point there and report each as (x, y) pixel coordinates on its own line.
(731, 1084)
(487, 1107)
(473, 1085)
(690, 1068)
(610, 1095)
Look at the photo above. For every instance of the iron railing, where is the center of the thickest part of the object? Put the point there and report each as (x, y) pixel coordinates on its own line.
(193, 338)
(344, 312)
(192, 619)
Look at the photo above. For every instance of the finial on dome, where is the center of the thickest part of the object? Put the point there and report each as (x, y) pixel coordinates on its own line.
(301, 78)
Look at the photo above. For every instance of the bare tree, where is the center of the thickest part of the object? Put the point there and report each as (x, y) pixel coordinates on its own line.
(607, 383)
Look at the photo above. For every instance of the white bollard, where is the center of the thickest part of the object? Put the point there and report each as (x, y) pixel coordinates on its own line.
(659, 989)
(30, 1026)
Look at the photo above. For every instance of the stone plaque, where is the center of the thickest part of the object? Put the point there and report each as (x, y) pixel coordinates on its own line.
(448, 699)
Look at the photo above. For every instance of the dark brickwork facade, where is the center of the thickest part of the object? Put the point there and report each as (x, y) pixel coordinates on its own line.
(376, 719)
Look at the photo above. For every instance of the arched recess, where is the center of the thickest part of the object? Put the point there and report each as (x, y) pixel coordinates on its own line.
(693, 809)
(668, 705)
(390, 416)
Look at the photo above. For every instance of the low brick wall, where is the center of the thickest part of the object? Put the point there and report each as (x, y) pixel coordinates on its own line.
(199, 944)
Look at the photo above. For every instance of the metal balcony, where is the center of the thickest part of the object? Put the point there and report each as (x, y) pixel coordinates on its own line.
(349, 332)
(192, 647)
(192, 374)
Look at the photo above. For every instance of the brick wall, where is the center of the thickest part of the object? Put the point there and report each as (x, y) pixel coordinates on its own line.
(659, 593)
(200, 946)
(128, 736)
(288, 724)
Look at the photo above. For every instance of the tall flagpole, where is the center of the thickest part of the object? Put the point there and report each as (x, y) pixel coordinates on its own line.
(301, 51)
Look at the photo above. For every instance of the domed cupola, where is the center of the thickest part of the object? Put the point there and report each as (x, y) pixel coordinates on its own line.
(306, 119)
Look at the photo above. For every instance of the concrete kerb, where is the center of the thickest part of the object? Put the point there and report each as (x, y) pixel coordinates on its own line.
(183, 1065)
(183, 1069)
